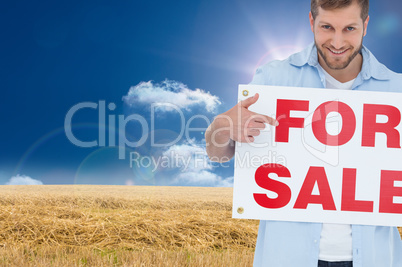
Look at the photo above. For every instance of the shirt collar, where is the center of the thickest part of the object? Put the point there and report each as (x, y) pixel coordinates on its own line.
(371, 67)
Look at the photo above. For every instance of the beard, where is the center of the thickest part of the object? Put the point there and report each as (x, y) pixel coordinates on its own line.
(339, 65)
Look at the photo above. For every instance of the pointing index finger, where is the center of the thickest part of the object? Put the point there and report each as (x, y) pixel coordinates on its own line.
(249, 101)
(266, 119)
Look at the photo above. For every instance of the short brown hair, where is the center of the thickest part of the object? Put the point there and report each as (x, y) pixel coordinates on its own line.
(334, 4)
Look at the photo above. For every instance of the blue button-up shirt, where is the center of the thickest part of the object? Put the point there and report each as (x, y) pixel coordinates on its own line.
(294, 244)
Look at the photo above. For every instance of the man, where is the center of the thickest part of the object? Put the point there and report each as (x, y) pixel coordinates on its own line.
(335, 60)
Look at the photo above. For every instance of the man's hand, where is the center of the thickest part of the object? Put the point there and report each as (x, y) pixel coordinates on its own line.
(244, 124)
(237, 124)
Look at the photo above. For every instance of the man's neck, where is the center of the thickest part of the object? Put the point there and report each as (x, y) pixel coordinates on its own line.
(346, 74)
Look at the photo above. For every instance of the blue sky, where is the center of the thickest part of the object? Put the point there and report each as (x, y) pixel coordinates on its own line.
(126, 55)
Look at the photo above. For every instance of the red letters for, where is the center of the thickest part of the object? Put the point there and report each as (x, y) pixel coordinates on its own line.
(283, 108)
(370, 125)
(320, 118)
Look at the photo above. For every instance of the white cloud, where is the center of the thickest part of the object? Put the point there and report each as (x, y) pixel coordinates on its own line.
(203, 178)
(23, 180)
(193, 166)
(188, 157)
(175, 93)
(227, 182)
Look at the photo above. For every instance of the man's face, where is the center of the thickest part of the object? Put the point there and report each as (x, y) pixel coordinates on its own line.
(338, 35)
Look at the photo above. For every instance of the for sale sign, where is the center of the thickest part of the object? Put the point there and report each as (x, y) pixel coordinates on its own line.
(335, 157)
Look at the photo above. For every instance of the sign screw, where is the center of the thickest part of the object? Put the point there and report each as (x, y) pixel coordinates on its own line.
(240, 210)
(245, 92)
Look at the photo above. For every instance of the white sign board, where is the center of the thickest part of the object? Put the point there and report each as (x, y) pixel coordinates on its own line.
(335, 157)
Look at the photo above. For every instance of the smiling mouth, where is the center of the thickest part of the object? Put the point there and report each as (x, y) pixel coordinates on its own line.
(337, 52)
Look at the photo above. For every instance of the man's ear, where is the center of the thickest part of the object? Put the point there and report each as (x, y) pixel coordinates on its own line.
(365, 26)
(311, 21)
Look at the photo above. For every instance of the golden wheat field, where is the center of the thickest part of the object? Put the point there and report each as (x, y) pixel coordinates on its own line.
(82, 225)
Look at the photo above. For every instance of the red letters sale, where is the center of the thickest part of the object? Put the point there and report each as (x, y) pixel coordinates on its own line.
(337, 157)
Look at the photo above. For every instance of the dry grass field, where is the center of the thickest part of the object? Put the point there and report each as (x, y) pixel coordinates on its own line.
(122, 226)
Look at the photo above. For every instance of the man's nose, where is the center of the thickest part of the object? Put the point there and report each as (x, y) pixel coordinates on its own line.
(337, 40)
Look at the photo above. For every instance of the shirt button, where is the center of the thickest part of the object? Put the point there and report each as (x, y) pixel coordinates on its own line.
(315, 241)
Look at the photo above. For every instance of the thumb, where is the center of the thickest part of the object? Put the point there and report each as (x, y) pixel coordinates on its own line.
(249, 101)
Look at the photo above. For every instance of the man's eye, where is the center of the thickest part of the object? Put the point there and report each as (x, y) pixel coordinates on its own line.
(326, 27)
(350, 28)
